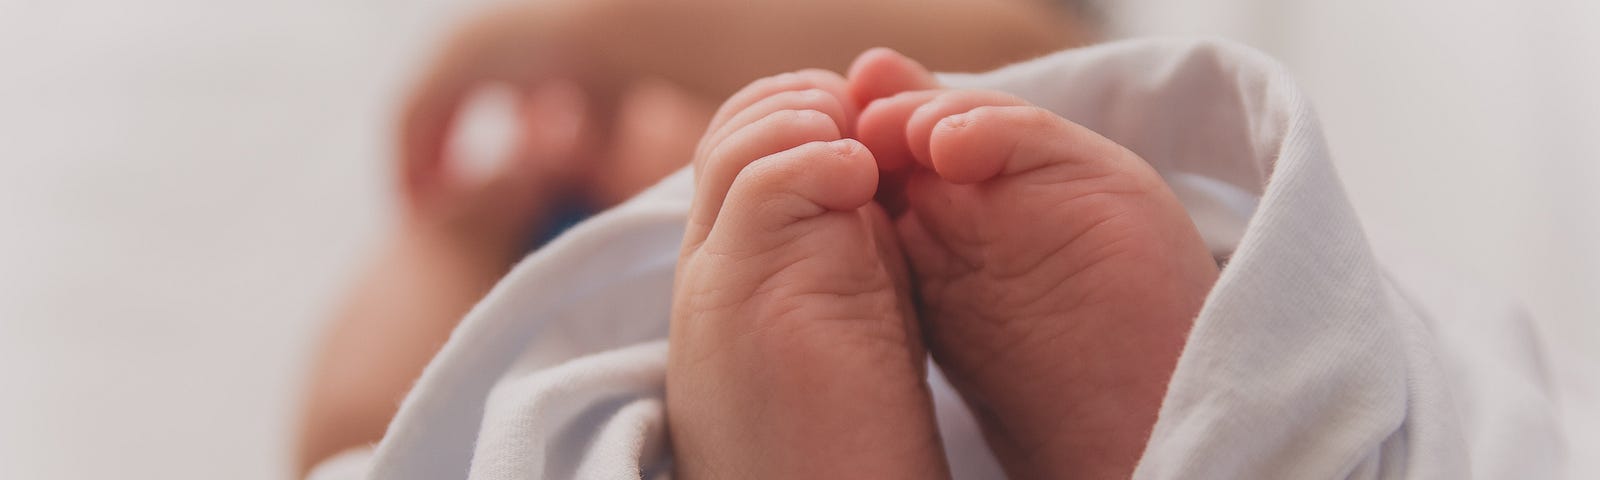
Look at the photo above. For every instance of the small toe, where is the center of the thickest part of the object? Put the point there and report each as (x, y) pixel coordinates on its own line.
(761, 89)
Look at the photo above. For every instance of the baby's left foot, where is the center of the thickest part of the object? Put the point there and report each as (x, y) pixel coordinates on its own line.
(794, 354)
(1058, 275)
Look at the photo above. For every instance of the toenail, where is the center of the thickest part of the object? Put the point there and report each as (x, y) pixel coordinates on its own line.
(956, 121)
(814, 71)
(844, 146)
(801, 116)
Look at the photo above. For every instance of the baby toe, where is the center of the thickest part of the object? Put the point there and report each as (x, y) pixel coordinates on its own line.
(797, 184)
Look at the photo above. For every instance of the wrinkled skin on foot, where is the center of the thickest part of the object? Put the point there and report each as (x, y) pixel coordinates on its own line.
(1057, 275)
(794, 350)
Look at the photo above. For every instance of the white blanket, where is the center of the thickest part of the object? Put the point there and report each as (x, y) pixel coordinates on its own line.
(1315, 356)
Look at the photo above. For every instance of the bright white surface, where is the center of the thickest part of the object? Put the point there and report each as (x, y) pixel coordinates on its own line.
(185, 184)
(184, 187)
(1468, 135)
(1466, 130)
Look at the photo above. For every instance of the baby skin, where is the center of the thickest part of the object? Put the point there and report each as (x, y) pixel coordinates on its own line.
(1049, 271)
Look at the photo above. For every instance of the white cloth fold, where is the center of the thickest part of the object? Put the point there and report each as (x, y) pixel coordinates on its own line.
(1312, 358)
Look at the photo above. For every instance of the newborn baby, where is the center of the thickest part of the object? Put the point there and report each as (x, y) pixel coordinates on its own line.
(1051, 273)
(834, 231)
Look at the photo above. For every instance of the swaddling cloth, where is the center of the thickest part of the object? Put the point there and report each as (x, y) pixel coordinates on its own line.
(1310, 358)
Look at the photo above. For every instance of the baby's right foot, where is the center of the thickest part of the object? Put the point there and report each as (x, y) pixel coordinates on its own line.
(794, 353)
(1057, 274)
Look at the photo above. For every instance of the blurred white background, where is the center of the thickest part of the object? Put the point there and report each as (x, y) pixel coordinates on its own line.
(186, 184)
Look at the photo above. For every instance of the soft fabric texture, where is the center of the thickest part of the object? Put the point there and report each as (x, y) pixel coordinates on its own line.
(1316, 355)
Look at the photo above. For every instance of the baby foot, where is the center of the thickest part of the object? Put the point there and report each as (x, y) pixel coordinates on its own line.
(1057, 274)
(794, 353)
